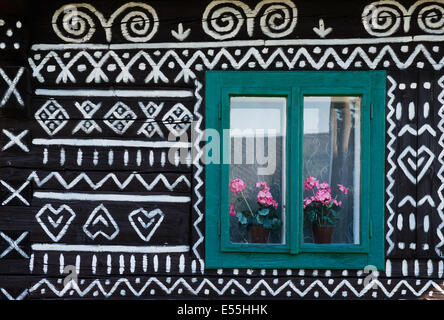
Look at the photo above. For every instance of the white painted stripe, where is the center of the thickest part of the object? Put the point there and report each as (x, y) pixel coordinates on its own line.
(108, 264)
(107, 248)
(94, 264)
(132, 264)
(73, 196)
(234, 43)
(45, 156)
(121, 264)
(62, 263)
(31, 263)
(145, 263)
(114, 93)
(155, 263)
(62, 157)
(45, 263)
(168, 264)
(110, 143)
(77, 264)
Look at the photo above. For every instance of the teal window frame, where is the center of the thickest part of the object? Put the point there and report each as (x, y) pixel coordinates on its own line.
(294, 85)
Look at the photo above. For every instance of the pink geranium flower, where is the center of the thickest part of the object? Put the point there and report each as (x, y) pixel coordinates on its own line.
(237, 185)
(323, 196)
(232, 212)
(343, 188)
(337, 203)
(263, 185)
(310, 182)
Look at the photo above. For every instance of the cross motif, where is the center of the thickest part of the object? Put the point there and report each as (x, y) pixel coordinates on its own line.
(87, 108)
(13, 245)
(15, 193)
(11, 87)
(150, 127)
(15, 140)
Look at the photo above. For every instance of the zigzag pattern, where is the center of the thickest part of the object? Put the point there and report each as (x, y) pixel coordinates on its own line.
(252, 56)
(110, 176)
(441, 169)
(392, 169)
(199, 170)
(262, 287)
(8, 296)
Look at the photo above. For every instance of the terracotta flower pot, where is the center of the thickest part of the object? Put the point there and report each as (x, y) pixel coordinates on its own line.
(258, 234)
(323, 234)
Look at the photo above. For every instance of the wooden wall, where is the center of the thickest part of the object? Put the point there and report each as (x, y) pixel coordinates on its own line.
(85, 116)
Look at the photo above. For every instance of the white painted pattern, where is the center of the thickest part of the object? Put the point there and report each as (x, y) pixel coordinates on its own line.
(198, 170)
(131, 179)
(146, 223)
(55, 229)
(119, 118)
(416, 162)
(13, 245)
(321, 30)
(52, 117)
(441, 170)
(77, 21)
(87, 108)
(290, 61)
(107, 248)
(15, 140)
(181, 34)
(391, 154)
(107, 226)
(150, 127)
(223, 19)
(11, 87)
(384, 17)
(79, 196)
(232, 286)
(178, 119)
(15, 193)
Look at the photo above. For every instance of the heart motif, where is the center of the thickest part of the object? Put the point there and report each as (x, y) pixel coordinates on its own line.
(146, 223)
(55, 222)
(100, 222)
(413, 164)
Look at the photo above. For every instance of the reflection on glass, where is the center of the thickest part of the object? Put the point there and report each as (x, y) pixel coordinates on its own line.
(331, 169)
(257, 153)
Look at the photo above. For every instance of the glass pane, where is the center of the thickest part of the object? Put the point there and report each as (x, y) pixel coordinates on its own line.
(331, 169)
(257, 173)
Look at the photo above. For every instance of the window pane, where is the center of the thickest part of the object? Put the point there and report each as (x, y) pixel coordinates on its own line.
(257, 172)
(331, 169)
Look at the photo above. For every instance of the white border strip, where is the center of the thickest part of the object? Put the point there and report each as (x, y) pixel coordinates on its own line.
(78, 196)
(110, 143)
(108, 248)
(115, 93)
(235, 43)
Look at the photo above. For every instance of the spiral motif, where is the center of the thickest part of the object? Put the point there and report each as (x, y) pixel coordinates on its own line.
(431, 19)
(139, 25)
(74, 23)
(279, 19)
(224, 19)
(382, 18)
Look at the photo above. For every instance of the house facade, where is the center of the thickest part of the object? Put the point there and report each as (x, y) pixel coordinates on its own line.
(95, 95)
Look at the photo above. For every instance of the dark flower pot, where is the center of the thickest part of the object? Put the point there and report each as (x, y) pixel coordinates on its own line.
(323, 234)
(258, 234)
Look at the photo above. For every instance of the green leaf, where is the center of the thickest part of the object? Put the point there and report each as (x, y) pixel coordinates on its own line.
(264, 211)
(242, 219)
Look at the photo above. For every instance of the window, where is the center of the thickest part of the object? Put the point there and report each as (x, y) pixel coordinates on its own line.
(297, 178)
